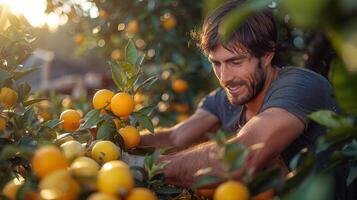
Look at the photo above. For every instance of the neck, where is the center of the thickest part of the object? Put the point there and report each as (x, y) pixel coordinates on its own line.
(253, 106)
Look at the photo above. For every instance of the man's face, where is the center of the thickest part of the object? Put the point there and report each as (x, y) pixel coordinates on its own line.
(241, 75)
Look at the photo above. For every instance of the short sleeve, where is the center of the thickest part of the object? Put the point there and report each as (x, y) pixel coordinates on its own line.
(300, 93)
(210, 102)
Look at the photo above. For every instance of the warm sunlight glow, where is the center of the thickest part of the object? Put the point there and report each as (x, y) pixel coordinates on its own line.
(33, 10)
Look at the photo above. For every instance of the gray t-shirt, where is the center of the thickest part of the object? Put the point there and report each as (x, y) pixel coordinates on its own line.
(299, 91)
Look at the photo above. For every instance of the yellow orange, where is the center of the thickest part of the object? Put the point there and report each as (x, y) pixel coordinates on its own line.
(130, 136)
(8, 96)
(115, 180)
(72, 149)
(179, 85)
(102, 196)
(3, 122)
(79, 38)
(70, 119)
(101, 99)
(168, 22)
(231, 190)
(104, 151)
(59, 185)
(114, 163)
(141, 193)
(132, 27)
(122, 104)
(48, 159)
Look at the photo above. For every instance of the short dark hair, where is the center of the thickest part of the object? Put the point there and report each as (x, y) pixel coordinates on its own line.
(257, 34)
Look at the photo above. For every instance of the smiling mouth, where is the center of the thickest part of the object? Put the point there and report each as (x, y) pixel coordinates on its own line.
(233, 89)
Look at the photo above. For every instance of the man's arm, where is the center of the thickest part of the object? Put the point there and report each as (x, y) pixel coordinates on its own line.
(276, 128)
(183, 134)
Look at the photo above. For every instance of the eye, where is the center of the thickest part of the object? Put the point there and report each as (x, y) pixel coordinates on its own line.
(236, 62)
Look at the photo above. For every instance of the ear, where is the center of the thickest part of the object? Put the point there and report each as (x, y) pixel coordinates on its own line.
(267, 58)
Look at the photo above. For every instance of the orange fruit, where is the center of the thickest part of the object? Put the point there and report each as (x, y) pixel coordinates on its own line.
(104, 151)
(168, 21)
(116, 54)
(231, 190)
(114, 163)
(79, 38)
(115, 180)
(122, 104)
(11, 188)
(102, 196)
(44, 116)
(181, 108)
(72, 149)
(101, 99)
(8, 96)
(3, 122)
(266, 195)
(103, 14)
(84, 167)
(132, 27)
(131, 136)
(70, 119)
(48, 159)
(67, 102)
(141, 193)
(59, 185)
(179, 85)
(182, 117)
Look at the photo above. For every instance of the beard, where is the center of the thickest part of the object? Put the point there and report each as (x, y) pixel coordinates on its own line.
(249, 89)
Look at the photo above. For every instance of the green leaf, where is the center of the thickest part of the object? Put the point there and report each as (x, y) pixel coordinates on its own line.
(149, 81)
(20, 74)
(147, 110)
(92, 118)
(131, 53)
(167, 190)
(51, 123)
(331, 120)
(33, 101)
(234, 155)
(237, 16)
(206, 180)
(23, 90)
(148, 162)
(350, 149)
(265, 180)
(106, 130)
(345, 87)
(117, 76)
(315, 187)
(144, 121)
(352, 175)
(128, 68)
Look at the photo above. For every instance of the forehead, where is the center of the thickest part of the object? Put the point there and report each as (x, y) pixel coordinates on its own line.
(221, 52)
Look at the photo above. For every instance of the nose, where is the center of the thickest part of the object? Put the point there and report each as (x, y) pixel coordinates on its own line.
(226, 74)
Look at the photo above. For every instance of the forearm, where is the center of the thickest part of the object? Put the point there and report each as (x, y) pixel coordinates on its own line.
(160, 139)
(183, 165)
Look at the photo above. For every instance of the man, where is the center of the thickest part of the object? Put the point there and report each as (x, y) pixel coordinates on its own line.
(258, 103)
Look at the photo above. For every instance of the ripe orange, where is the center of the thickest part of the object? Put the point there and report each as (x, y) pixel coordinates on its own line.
(101, 99)
(231, 190)
(182, 117)
(132, 27)
(179, 85)
(131, 136)
(141, 193)
(44, 115)
(3, 122)
(122, 104)
(67, 102)
(70, 119)
(115, 180)
(59, 185)
(114, 163)
(79, 38)
(84, 167)
(72, 149)
(104, 151)
(8, 96)
(181, 107)
(48, 159)
(11, 188)
(116, 54)
(102, 196)
(168, 21)
(266, 195)
(103, 14)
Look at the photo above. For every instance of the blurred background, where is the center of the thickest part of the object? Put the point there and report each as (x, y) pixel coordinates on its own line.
(73, 41)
